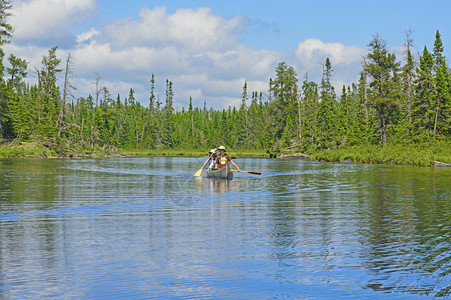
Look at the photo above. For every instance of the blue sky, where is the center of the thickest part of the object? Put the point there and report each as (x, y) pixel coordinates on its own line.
(209, 48)
(278, 25)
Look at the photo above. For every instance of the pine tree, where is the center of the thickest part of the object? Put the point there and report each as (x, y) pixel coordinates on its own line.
(442, 99)
(68, 89)
(242, 124)
(383, 68)
(442, 93)
(18, 71)
(409, 77)
(423, 108)
(5, 34)
(283, 108)
(438, 51)
(49, 102)
(168, 113)
(309, 112)
(326, 118)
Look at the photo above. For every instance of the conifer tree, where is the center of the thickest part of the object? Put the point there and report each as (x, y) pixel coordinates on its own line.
(5, 34)
(17, 71)
(326, 118)
(282, 110)
(408, 77)
(309, 112)
(49, 98)
(442, 93)
(168, 112)
(242, 122)
(383, 69)
(68, 89)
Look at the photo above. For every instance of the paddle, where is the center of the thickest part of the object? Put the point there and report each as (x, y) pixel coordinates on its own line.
(199, 172)
(255, 173)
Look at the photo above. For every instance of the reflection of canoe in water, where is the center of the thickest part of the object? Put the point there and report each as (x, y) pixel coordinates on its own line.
(224, 173)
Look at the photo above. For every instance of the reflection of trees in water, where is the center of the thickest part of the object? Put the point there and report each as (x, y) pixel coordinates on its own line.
(406, 237)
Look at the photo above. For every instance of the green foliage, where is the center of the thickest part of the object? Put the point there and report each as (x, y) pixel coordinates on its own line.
(382, 68)
(417, 154)
(392, 114)
(327, 112)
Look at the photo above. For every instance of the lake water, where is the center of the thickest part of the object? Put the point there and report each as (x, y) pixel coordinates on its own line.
(144, 228)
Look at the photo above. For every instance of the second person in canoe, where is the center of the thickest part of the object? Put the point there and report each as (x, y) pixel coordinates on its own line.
(223, 159)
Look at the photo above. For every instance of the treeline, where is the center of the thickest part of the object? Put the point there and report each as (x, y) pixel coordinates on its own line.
(393, 102)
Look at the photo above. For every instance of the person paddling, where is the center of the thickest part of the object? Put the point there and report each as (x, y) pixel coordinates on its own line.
(223, 159)
(212, 160)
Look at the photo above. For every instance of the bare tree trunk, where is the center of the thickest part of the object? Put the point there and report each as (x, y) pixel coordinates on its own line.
(98, 78)
(409, 42)
(65, 93)
(409, 98)
(39, 97)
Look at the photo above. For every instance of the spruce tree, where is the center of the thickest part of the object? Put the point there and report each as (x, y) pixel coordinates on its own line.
(283, 108)
(383, 69)
(242, 121)
(49, 98)
(168, 113)
(309, 113)
(423, 107)
(326, 118)
(408, 78)
(442, 88)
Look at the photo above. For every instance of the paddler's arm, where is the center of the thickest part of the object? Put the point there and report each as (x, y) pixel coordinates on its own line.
(234, 164)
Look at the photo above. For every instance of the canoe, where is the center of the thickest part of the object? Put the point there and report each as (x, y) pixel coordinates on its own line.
(224, 173)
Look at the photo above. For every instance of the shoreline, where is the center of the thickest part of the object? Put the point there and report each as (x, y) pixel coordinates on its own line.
(437, 155)
(302, 156)
(419, 155)
(31, 150)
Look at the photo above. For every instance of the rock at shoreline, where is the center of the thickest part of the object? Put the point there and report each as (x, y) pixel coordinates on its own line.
(294, 156)
(347, 161)
(441, 164)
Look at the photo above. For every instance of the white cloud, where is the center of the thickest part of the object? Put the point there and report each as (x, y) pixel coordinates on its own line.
(310, 55)
(194, 48)
(37, 19)
(246, 62)
(195, 30)
(87, 36)
(312, 51)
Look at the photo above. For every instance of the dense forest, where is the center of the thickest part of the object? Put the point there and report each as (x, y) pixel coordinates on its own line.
(395, 102)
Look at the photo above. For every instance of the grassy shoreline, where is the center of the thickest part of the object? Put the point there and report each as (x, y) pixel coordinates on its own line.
(412, 154)
(181, 152)
(40, 150)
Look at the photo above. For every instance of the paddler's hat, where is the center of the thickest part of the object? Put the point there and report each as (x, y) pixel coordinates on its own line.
(212, 151)
(221, 148)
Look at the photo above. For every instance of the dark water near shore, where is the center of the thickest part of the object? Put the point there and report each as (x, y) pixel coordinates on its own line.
(143, 228)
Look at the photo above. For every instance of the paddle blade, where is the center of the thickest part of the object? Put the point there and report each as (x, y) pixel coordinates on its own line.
(198, 173)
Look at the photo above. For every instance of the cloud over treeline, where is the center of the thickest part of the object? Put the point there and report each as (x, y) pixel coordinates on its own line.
(198, 50)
